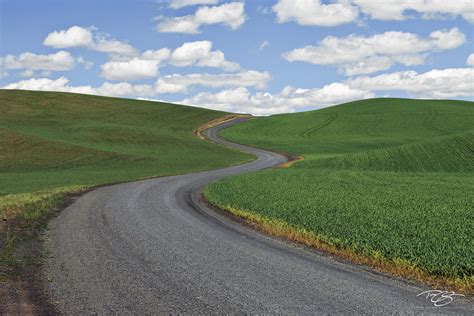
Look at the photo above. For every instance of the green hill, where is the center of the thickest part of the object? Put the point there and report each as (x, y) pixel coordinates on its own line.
(357, 126)
(453, 153)
(57, 142)
(389, 178)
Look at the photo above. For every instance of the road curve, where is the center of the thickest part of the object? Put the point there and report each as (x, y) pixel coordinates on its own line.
(152, 247)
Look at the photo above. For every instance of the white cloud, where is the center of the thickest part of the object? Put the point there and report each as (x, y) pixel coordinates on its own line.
(120, 89)
(167, 84)
(444, 39)
(179, 24)
(444, 83)
(437, 83)
(125, 61)
(356, 55)
(224, 100)
(470, 60)
(46, 84)
(314, 12)
(231, 14)
(200, 53)
(164, 85)
(112, 46)
(59, 61)
(288, 100)
(77, 36)
(180, 83)
(178, 4)
(430, 9)
(158, 55)
(133, 69)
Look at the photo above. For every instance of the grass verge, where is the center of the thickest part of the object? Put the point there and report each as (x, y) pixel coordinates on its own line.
(24, 218)
(396, 266)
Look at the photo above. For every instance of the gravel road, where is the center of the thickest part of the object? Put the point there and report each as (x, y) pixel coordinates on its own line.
(152, 247)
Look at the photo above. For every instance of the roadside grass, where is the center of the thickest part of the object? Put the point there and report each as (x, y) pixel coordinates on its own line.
(54, 144)
(20, 212)
(385, 182)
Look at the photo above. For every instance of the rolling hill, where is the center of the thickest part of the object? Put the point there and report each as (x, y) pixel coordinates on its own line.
(51, 143)
(389, 179)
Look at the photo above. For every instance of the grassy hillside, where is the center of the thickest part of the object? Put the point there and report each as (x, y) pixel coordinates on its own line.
(52, 143)
(386, 178)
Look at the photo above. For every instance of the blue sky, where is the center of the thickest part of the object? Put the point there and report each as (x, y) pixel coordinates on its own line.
(262, 57)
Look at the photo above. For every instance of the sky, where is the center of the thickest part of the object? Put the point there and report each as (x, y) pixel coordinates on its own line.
(256, 56)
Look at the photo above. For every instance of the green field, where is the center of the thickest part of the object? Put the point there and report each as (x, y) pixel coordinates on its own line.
(51, 143)
(390, 178)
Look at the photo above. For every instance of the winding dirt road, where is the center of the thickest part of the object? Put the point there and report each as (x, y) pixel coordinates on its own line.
(152, 247)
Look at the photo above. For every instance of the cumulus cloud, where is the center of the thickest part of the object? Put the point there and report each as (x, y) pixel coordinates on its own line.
(236, 100)
(200, 54)
(112, 46)
(470, 60)
(126, 62)
(180, 83)
(240, 100)
(356, 55)
(167, 84)
(437, 83)
(159, 55)
(429, 9)
(230, 14)
(45, 84)
(77, 36)
(314, 12)
(164, 85)
(178, 4)
(59, 61)
(133, 69)
(146, 65)
(179, 24)
(120, 89)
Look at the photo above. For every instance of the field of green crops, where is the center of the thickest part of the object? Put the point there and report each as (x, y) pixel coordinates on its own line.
(391, 177)
(57, 142)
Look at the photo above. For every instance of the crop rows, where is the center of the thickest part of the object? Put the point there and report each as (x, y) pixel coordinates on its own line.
(386, 176)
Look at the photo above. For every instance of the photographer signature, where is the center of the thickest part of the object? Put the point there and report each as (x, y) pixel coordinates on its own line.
(439, 298)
